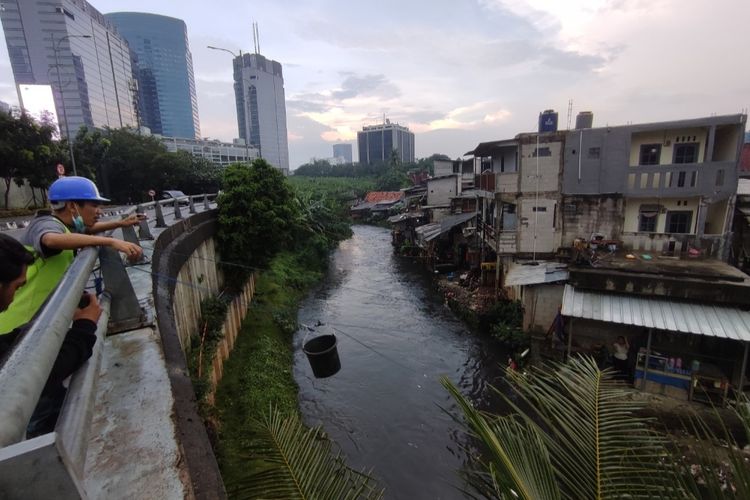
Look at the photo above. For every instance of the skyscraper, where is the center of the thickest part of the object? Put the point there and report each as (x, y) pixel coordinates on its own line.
(261, 108)
(343, 151)
(376, 143)
(164, 70)
(70, 48)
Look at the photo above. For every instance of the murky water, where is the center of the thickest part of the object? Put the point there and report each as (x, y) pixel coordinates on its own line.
(395, 340)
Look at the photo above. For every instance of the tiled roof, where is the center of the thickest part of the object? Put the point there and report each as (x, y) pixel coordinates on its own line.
(380, 196)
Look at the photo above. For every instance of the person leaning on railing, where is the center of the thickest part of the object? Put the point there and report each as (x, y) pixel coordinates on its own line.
(76, 348)
(54, 236)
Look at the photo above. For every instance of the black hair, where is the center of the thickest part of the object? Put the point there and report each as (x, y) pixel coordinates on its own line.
(13, 257)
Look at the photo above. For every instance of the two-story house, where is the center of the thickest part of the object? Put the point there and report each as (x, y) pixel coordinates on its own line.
(666, 188)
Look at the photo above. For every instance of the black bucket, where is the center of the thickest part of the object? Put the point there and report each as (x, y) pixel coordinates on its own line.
(322, 354)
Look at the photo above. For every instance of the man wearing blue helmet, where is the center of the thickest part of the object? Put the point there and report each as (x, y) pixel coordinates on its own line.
(54, 236)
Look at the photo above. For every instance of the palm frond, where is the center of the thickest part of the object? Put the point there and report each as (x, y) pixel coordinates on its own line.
(299, 463)
(519, 465)
(581, 422)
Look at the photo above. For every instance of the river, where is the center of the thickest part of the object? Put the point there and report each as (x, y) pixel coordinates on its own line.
(385, 408)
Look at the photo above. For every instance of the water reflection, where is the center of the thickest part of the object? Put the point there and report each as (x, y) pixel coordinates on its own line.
(395, 340)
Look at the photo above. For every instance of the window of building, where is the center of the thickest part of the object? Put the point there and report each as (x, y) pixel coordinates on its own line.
(544, 151)
(678, 222)
(647, 217)
(594, 153)
(693, 179)
(650, 154)
(720, 177)
(686, 153)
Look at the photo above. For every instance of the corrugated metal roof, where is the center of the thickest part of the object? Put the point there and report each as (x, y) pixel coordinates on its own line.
(429, 232)
(543, 272)
(660, 313)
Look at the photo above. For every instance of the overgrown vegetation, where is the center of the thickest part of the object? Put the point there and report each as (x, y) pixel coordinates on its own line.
(385, 176)
(506, 320)
(203, 348)
(291, 239)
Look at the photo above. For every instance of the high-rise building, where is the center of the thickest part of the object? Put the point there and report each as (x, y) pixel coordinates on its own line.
(261, 108)
(69, 50)
(164, 71)
(377, 142)
(343, 151)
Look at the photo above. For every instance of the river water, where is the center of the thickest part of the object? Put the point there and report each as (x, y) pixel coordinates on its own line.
(385, 408)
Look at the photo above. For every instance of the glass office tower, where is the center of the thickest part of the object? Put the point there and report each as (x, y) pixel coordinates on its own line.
(71, 47)
(164, 69)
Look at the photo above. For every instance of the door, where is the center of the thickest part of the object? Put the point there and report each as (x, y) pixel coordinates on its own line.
(537, 221)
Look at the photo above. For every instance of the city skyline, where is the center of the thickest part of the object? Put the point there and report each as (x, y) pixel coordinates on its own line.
(460, 75)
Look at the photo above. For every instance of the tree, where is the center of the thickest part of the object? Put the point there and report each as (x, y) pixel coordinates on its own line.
(26, 151)
(257, 211)
(299, 464)
(578, 437)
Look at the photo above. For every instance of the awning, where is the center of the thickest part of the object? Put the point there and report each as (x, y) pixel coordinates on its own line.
(429, 232)
(542, 272)
(659, 313)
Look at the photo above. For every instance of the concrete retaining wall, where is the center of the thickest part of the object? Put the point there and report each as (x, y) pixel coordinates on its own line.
(186, 253)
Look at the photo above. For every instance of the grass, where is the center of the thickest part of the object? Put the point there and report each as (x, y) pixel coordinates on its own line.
(259, 374)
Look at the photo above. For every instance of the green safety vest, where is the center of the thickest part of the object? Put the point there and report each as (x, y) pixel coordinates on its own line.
(42, 277)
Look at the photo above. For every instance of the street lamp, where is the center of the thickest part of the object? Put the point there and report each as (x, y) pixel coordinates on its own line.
(56, 48)
(247, 139)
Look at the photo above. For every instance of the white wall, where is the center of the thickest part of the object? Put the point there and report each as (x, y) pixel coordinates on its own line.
(441, 190)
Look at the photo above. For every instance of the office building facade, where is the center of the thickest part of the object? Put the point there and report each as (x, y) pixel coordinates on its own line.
(71, 48)
(377, 142)
(221, 153)
(261, 107)
(343, 151)
(163, 66)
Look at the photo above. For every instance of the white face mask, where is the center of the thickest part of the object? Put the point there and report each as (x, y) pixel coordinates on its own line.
(78, 225)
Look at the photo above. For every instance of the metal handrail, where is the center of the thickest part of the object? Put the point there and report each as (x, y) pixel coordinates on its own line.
(26, 370)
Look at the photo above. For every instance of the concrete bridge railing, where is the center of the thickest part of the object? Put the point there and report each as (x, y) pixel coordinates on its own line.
(52, 465)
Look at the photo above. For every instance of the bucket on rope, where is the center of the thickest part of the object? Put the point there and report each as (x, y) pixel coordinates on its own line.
(323, 356)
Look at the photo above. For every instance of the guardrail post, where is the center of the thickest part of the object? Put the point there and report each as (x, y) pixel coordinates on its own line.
(192, 204)
(177, 211)
(206, 206)
(144, 232)
(125, 311)
(159, 216)
(128, 233)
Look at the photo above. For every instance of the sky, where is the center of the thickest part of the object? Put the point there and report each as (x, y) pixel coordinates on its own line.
(460, 72)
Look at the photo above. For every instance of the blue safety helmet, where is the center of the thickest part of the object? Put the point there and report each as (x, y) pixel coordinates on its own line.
(74, 189)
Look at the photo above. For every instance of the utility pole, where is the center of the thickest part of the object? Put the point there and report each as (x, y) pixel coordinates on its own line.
(55, 49)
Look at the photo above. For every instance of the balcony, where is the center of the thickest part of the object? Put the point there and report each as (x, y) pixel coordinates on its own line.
(674, 244)
(685, 179)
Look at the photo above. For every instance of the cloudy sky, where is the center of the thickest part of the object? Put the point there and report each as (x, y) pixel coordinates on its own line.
(458, 72)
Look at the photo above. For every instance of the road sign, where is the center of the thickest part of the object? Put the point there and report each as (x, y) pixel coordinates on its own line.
(60, 170)
(151, 193)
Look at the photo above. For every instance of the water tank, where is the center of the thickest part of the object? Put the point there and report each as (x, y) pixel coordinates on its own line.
(584, 119)
(548, 121)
